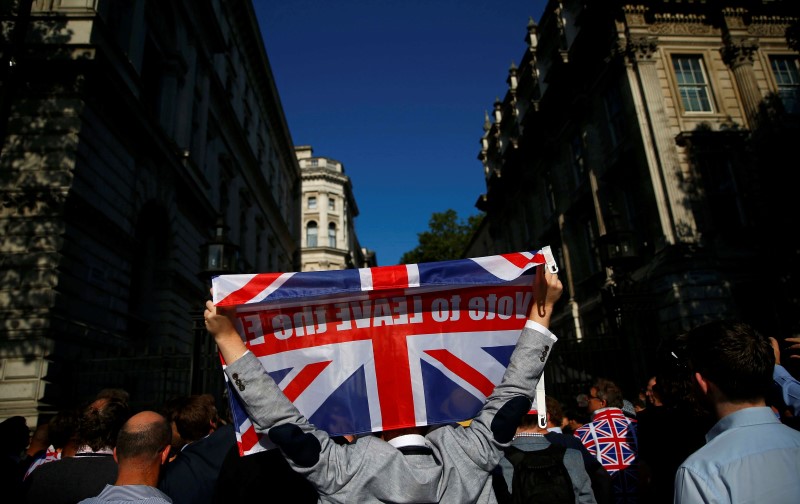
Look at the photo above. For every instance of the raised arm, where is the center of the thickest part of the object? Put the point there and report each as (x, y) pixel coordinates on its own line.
(547, 290)
(790, 386)
(265, 403)
(219, 322)
(494, 426)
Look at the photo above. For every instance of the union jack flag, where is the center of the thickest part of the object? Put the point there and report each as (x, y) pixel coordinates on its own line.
(383, 348)
(611, 438)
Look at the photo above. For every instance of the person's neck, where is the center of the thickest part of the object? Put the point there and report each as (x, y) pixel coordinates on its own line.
(532, 429)
(128, 476)
(726, 408)
(388, 435)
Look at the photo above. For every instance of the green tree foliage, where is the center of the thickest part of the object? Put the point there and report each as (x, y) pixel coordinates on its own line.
(446, 238)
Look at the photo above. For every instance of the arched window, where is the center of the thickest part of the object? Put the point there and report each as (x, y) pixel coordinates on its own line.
(332, 235)
(311, 234)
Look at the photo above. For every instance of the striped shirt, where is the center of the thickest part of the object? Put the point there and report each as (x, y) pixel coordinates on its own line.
(142, 494)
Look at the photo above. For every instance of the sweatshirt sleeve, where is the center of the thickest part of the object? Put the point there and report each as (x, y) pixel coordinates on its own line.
(494, 426)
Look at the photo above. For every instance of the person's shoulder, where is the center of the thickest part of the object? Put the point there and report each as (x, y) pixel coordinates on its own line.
(573, 455)
(704, 458)
(583, 429)
(530, 443)
(567, 440)
(54, 469)
(787, 433)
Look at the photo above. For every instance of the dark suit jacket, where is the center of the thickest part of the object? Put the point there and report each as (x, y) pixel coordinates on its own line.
(70, 479)
(192, 476)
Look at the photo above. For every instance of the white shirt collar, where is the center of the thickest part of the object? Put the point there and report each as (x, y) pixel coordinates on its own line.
(407, 440)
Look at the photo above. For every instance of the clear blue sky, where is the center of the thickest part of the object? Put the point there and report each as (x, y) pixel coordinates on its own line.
(396, 90)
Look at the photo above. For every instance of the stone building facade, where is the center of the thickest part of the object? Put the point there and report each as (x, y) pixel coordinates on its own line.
(129, 130)
(645, 143)
(329, 211)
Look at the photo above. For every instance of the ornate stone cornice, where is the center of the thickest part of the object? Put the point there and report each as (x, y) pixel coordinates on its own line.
(769, 26)
(680, 24)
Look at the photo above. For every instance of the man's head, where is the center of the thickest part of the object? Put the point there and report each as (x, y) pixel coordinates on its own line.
(100, 422)
(170, 411)
(143, 441)
(119, 394)
(731, 356)
(653, 393)
(40, 440)
(604, 394)
(575, 417)
(14, 436)
(555, 414)
(196, 417)
(63, 430)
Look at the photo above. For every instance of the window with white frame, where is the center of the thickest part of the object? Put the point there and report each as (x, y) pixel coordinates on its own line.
(311, 234)
(332, 235)
(692, 83)
(787, 77)
(312, 202)
(331, 204)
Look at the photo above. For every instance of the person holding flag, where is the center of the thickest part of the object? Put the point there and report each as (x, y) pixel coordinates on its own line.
(450, 464)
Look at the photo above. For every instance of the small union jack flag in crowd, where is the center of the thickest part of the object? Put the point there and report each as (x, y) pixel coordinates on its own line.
(386, 347)
(611, 438)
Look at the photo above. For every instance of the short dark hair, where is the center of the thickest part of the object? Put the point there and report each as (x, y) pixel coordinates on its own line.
(580, 415)
(63, 427)
(114, 393)
(608, 391)
(100, 423)
(554, 410)
(194, 416)
(14, 435)
(529, 420)
(144, 441)
(732, 355)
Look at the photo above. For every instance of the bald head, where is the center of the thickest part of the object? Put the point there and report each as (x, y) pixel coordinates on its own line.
(143, 436)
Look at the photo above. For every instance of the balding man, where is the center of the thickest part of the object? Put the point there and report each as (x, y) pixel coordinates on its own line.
(142, 449)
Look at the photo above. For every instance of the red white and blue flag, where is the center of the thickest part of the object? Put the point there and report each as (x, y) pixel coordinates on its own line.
(373, 349)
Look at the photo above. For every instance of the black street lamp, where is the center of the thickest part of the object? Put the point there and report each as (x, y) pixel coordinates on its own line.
(218, 256)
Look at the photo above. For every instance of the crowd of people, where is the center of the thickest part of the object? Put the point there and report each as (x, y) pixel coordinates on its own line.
(716, 423)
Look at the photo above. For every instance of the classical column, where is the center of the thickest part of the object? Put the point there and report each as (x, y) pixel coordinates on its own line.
(677, 223)
(738, 55)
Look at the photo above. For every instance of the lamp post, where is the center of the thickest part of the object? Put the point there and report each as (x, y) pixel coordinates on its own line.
(218, 256)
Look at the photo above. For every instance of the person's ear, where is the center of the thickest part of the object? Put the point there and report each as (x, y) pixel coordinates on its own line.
(165, 454)
(115, 455)
(701, 382)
